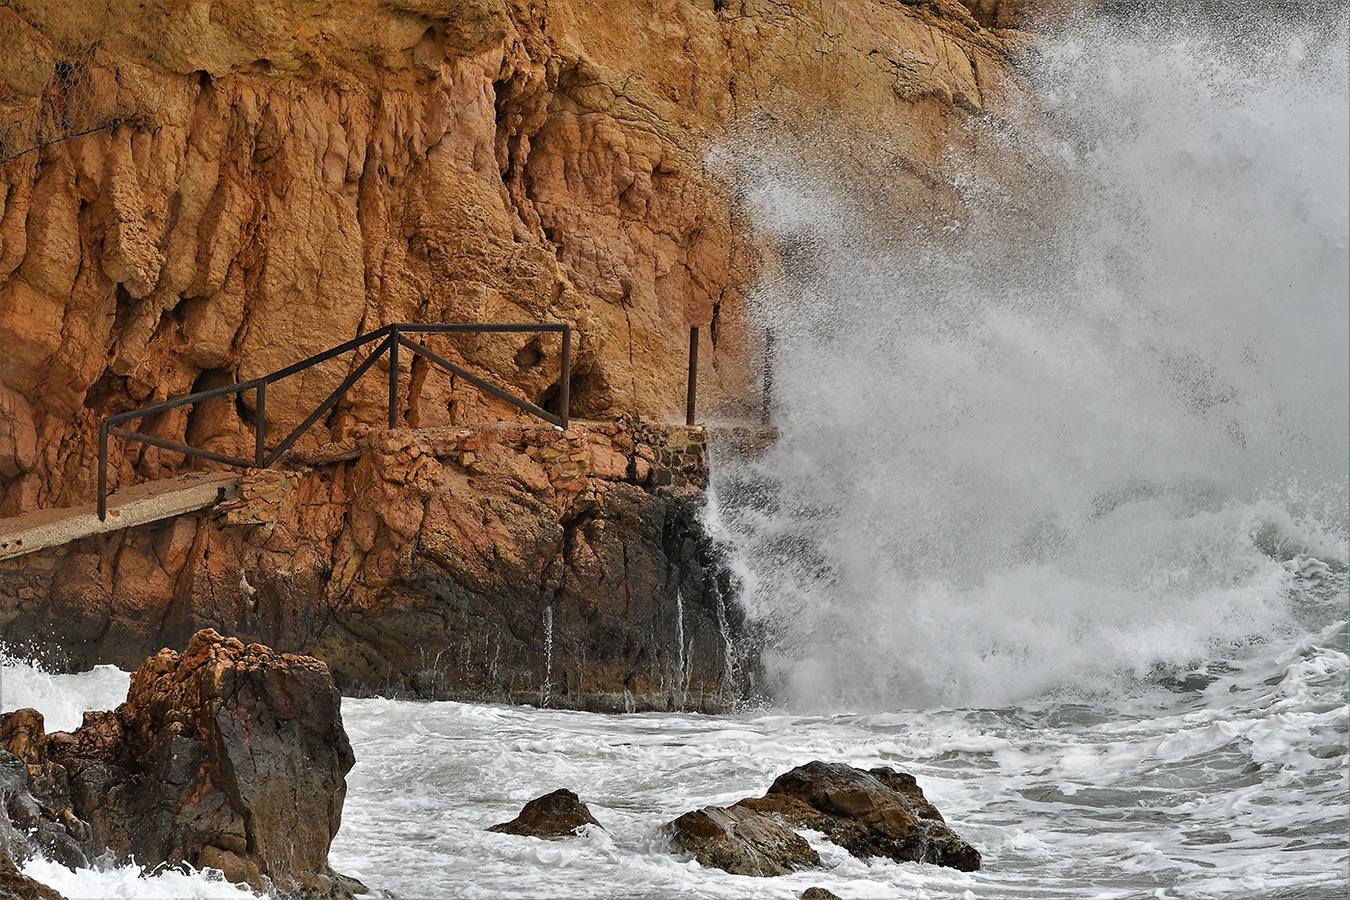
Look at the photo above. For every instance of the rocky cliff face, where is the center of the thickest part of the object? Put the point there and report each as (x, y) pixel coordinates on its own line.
(509, 563)
(196, 194)
(192, 194)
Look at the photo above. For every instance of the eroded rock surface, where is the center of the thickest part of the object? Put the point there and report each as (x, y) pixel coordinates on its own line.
(188, 200)
(877, 812)
(224, 756)
(741, 841)
(554, 815)
(507, 563)
(873, 813)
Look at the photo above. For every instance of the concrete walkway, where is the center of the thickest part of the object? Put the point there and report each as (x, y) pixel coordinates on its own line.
(137, 505)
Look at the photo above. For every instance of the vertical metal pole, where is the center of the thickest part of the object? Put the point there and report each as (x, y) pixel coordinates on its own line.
(768, 374)
(393, 378)
(103, 471)
(565, 384)
(691, 398)
(260, 425)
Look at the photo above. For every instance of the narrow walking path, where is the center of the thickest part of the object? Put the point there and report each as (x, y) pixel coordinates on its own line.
(136, 505)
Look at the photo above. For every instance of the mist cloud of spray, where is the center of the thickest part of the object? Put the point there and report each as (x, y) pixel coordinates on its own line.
(1092, 422)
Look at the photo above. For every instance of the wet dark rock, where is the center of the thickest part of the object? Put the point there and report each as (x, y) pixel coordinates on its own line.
(741, 841)
(21, 823)
(224, 755)
(29, 826)
(14, 885)
(880, 812)
(555, 815)
(819, 893)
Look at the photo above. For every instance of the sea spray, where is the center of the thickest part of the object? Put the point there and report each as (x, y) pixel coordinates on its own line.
(1028, 442)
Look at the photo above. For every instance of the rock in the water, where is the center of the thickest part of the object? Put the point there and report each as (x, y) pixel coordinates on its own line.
(880, 812)
(14, 885)
(741, 841)
(224, 755)
(21, 813)
(819, 893)
(27, 826)
(555, 815)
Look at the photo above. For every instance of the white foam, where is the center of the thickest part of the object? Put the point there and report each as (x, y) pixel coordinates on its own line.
(1073, 439)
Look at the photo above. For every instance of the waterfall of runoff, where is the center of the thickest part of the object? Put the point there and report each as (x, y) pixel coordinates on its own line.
(1057, 521)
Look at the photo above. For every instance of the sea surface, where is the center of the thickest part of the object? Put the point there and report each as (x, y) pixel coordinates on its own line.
(1228, 781)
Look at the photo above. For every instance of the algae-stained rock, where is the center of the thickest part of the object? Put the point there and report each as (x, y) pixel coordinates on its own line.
(558, 814)
(741, 841)
(880, 812)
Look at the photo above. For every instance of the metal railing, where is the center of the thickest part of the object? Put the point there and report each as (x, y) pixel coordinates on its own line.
(391, 338)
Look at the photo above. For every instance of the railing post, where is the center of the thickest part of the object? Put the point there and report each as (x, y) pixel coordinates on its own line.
(565, 383)
(691, 398)
(768, 374)
(393, 378)
(260, 425)
(103, 471)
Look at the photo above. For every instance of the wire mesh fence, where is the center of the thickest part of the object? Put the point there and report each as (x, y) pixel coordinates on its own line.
(57, 90)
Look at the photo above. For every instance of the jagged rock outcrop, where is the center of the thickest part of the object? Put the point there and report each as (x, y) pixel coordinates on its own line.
(224, 756)
(554, 815)
(878, 812)
(508, 563)
(26, 826)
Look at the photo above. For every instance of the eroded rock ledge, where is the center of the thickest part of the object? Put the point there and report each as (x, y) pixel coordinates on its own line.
(508, 562)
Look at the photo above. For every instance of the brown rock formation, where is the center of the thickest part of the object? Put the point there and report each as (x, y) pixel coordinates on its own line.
(741, 841)
(225, 756)
(191, 197)
(512, 562)
(869, 813)
(195, 197)
(555, 815)
(880, 812)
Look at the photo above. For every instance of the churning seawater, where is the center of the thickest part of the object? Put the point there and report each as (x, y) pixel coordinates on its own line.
(1056, 520)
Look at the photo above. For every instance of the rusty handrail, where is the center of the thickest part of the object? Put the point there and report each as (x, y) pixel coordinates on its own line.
(391, 338)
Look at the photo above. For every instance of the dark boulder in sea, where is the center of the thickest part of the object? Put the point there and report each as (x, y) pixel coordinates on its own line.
(880, 812)
(877, 812)
(224, 756)
(555, 815)
(819, 893)
(741, 841)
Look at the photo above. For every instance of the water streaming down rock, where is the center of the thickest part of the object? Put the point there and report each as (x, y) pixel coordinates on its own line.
(1033, 441)
(681, 673)
(546, 688)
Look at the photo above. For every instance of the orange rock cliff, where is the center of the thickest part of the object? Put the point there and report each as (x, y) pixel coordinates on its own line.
(197, 193)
